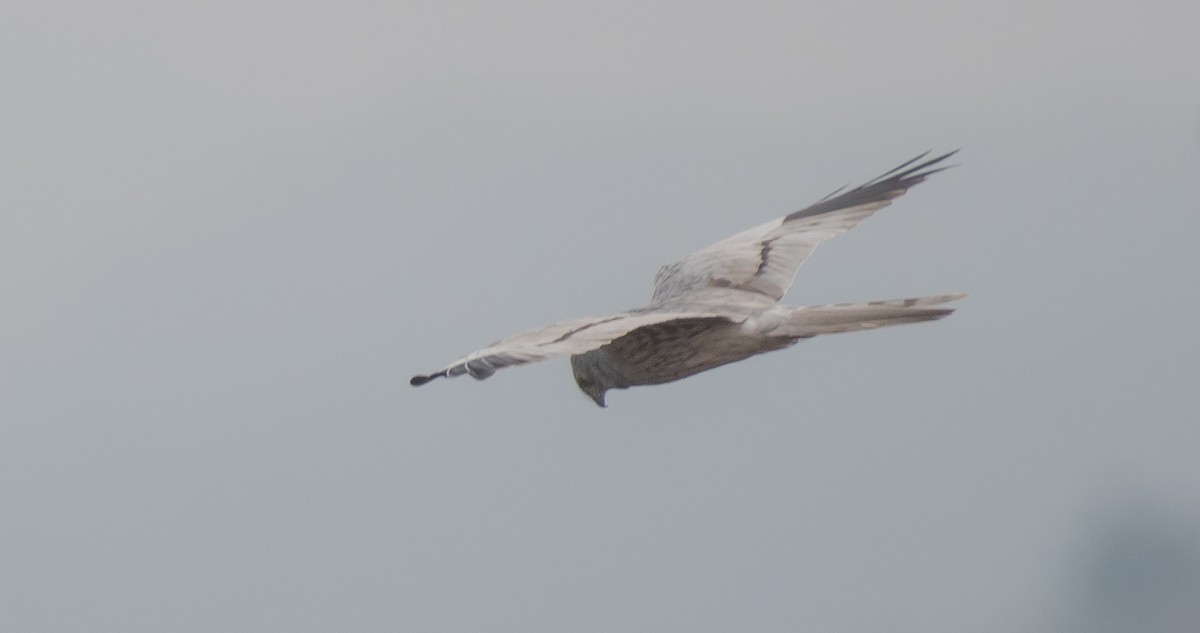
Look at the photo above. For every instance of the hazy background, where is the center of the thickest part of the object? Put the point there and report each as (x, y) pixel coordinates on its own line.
(231, 231)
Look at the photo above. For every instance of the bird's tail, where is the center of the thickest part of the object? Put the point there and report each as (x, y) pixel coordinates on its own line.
(851, 317)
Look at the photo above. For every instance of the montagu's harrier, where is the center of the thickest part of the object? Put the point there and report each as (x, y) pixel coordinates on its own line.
(719, 304)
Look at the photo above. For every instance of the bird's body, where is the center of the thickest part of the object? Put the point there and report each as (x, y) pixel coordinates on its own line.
(718, 305)
(666, 352)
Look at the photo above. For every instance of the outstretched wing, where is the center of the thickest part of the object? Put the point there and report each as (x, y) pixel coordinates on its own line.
(765, 258)
(564, 338)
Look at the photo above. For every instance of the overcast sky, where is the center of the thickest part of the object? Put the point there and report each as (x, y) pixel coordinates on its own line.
(231, 231)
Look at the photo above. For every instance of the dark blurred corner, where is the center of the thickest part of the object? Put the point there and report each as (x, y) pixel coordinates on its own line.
(1138, 571)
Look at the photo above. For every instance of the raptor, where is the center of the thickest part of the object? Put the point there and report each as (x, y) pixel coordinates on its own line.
(720, 304)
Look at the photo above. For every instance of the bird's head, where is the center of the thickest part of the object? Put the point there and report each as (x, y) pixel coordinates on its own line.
(592, 374)
(594, 390)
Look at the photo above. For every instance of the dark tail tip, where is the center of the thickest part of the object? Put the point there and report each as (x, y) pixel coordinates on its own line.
(419, 380)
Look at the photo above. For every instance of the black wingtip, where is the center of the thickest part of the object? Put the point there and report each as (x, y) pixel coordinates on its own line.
(890, 185)
(913, 173)
(419, 379)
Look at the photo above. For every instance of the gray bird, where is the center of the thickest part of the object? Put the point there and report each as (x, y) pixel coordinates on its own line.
(720, 304)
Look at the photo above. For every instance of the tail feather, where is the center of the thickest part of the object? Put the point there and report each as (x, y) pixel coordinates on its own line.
(851, 317)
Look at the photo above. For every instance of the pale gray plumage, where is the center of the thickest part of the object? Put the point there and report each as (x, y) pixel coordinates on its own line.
(719, 304)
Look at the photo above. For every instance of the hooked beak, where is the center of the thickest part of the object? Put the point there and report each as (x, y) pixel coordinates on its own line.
(599, 398)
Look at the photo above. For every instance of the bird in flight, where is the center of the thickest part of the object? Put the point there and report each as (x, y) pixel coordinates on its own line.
(720, 304)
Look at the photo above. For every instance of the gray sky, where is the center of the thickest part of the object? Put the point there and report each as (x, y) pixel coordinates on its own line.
(231, 231)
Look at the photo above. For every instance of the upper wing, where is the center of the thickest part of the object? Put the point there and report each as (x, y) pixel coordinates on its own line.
(765, 258)
(564, 338)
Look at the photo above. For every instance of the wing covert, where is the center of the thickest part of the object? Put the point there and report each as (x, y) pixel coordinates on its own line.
(765, 259)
